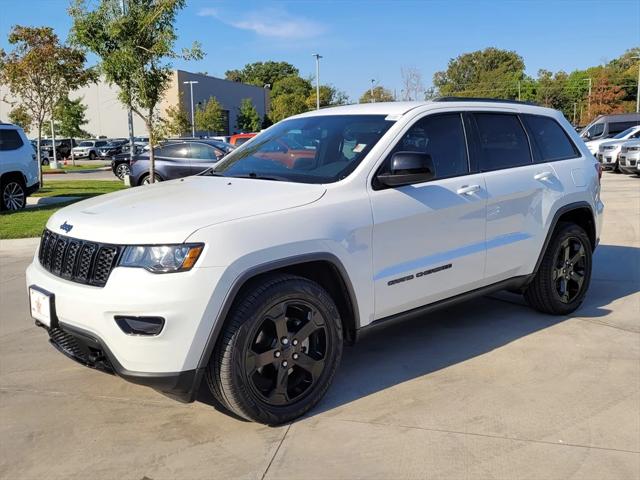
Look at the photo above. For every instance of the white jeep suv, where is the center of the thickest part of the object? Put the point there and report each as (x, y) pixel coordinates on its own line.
(254, 274)
(18, 168)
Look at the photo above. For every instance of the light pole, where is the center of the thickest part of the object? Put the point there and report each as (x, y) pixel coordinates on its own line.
(193, 125)
(129, 112)
(264, 89)
(373, 81)
(318, 57)
(638, 88)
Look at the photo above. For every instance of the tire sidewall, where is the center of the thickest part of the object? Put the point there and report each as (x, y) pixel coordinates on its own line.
(4, 185)
(250, 401)
(568, 232)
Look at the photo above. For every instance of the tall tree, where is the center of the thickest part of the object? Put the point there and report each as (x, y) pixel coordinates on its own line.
(491, 72)
(210, 117)
(135, 47)
(20, 116)
(175, 121)
(377, 94)
(262, 73)
(286, 105)
(69, 118)
(329, 97)
(39, 71)
(248, 119)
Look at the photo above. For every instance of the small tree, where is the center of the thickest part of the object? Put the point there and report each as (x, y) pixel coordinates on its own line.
(176, 121)
(40, 71)
(20, 116)
(329, 97)
(412, 88)
(134, 47)
(380, 94)
(248, 118)
(210, 117)
(69, 117)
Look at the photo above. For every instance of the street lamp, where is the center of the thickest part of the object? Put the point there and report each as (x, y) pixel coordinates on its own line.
(638, 88)
(193, 125)
(318, 57)
(373, 81)
(264, 91)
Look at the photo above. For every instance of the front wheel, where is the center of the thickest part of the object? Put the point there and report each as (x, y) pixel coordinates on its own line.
(123, 170)
(14, 195)
(563, 278)
(279, 350)
(92, 155)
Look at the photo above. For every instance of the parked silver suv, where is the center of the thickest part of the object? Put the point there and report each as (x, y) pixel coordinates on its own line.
(18, 168)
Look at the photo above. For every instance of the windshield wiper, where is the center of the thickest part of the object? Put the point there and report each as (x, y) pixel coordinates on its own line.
(211, 172)
(258, 176)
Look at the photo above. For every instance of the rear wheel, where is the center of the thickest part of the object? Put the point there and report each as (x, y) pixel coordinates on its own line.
(279, 350)
(564, 275)
(14, 195)
(92, 155)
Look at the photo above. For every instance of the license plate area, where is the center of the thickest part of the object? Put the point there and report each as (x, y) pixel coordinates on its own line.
(42, 305)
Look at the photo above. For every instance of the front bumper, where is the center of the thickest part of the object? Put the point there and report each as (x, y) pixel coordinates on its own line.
(607, 159)
(83, 325)
(629, 162)
(80, 154)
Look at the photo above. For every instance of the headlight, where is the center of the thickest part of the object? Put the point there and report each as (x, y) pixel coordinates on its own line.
(162, 258)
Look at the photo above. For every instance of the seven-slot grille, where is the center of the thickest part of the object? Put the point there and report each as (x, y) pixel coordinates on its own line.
(78, 260)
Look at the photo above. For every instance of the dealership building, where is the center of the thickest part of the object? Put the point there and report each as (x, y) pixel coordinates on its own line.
(107, 117)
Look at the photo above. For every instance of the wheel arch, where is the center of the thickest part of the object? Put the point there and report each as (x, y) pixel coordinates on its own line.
(323, 268)
(579, 213)
(16, 174)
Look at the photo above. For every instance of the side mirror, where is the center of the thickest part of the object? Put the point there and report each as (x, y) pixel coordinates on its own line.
(408, 168)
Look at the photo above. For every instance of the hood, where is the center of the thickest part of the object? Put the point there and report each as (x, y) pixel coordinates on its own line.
(614, 143)
(168, 212)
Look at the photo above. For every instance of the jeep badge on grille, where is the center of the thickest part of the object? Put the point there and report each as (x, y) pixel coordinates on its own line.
(66, 227)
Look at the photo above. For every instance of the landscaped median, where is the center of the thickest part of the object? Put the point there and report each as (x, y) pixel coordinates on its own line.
(31, 221)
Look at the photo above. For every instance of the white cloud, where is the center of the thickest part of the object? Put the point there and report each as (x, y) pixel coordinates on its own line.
(273, 23)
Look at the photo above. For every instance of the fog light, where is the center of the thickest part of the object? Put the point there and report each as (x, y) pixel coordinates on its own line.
(140, 325)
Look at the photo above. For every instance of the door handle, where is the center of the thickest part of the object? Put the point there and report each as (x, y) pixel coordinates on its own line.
(468, 189)
(543, 176)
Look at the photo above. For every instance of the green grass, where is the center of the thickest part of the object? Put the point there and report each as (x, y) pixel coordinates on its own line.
(78, 188)
(70, 168)
(31, 221)
(27, 223)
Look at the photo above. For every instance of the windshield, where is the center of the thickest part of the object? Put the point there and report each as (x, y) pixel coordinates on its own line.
(628, 131)
(85, 144)
(319, 149)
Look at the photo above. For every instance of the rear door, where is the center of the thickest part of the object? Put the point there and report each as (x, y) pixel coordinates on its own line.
(518, 190)
(429, 238)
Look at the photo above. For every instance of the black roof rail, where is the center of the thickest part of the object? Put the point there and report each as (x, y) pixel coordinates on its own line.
(480, 99)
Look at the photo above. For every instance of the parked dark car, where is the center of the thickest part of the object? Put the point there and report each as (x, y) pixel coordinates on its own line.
(63, 147)
(177, 159)
(112, 148)
(120, 161)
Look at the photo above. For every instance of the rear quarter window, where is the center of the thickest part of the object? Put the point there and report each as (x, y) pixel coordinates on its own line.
(502, 142)
(10, 140)
(549, 140)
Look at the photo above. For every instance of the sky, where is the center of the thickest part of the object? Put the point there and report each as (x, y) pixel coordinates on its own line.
(361, 40)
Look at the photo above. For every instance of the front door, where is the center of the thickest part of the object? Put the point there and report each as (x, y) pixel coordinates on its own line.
(429, 238)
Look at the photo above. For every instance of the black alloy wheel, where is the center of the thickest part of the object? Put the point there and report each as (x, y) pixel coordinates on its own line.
(569, 271)
(278, 351)
(287, 354)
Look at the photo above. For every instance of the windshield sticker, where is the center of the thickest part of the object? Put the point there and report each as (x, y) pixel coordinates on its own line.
(359, 147)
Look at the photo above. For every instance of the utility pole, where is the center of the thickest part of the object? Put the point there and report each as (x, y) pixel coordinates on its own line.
(318, 57)
(130, 112)
(518, 90)
(589, 104)
(574, 113)
(193, 125)
(373, 81)
(638, 88)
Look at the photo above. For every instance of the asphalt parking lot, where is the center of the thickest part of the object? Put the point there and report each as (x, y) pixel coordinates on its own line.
(488, 389)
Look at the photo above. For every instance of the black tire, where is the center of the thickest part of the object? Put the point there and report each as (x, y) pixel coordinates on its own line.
(92, 155)
(45, 162)
(564, 275)
(144, 180)
(13, 195)
(122, 170)
(251, 366)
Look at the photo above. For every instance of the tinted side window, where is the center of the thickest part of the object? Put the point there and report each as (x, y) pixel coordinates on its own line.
(617, 127)
(596, 130)
(177, 150)
(549, 139)
(10, 140)
(442, 137)
(502, 141)
(200, 151)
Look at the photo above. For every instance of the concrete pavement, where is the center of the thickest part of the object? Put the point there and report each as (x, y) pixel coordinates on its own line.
(487, 389)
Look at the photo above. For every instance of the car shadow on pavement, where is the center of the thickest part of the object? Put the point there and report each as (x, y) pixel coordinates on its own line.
(397, 353)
